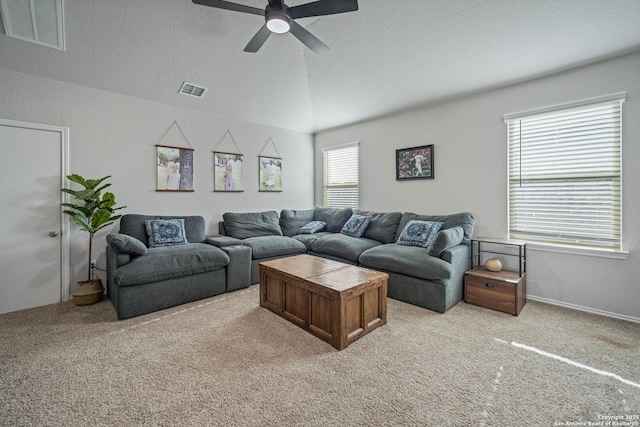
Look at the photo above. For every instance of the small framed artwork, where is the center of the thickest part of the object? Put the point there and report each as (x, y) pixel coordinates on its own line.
(227, 171)
(175, 168)
(270, 173)
(414, 163)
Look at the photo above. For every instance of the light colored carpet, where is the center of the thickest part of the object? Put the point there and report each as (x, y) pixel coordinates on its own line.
(226, 361)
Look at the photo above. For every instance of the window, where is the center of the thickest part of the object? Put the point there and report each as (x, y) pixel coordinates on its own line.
(341, 176)
(565, 174)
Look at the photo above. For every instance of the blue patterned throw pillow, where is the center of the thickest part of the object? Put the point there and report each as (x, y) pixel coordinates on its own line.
(356, 225)
(312, 227)
(165, 232)
(418, 233)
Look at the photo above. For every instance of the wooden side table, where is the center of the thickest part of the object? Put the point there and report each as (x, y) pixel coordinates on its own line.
(504, 290)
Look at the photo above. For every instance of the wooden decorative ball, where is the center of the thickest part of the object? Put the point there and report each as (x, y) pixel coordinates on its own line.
(493, 264)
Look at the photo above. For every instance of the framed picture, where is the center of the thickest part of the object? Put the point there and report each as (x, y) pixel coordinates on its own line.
(175, 168)
(414, 163)
(227, 172)
(270, 173)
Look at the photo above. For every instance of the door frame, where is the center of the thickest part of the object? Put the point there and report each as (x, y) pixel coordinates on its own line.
(65, 224)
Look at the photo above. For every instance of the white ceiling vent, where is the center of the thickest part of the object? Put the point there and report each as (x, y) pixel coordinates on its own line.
(36, 21)
(193, 90)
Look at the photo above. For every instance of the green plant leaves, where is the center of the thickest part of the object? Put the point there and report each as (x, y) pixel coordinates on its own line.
(96, 211)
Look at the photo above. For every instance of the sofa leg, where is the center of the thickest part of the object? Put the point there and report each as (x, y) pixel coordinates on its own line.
(239, 268)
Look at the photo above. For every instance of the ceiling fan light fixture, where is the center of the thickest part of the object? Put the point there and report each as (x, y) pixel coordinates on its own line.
(279, 24)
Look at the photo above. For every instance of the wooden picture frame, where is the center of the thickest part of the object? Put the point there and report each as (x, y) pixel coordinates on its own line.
(414, 163)
(174, 167)
(227, 172)
(270, 174)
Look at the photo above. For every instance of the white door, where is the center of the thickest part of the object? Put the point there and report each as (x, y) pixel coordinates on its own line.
(31, 254)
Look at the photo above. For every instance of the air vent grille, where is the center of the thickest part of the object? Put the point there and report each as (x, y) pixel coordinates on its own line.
(193, 90)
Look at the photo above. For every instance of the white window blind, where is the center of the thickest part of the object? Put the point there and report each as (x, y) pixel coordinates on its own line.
(565, 174)
(341, 176)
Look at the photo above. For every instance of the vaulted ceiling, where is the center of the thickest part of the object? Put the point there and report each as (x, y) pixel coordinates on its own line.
(388, 56)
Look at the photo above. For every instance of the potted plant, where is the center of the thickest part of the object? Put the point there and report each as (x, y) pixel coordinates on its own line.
(92, 213)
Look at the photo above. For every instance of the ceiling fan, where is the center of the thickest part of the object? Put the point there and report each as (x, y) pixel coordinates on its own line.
(280, 19)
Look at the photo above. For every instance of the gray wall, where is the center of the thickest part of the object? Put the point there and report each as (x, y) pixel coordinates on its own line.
(470, 174)
(112, 134)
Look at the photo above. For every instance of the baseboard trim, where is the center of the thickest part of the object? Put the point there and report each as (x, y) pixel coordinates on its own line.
(586, 309)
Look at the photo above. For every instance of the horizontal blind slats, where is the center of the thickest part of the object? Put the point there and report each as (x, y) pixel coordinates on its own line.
(341, 177)
(564, 176)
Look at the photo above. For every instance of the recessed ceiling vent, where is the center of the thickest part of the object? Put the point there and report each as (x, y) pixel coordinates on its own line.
(193, 90)
(40, 22)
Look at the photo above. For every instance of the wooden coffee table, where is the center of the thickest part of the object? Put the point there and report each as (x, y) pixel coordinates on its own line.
(334, 301)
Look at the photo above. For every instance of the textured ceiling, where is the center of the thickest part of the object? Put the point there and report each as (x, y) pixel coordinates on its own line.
(388, 56)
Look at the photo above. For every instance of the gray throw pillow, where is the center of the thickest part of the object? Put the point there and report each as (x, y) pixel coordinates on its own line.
(446, 239)
(125, 244)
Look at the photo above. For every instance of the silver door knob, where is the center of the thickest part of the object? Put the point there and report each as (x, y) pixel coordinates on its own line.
(53, 233)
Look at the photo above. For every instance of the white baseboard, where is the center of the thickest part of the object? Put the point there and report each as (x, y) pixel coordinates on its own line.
(587, 309)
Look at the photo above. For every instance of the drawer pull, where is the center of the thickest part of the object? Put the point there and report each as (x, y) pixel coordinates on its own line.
(489, 285)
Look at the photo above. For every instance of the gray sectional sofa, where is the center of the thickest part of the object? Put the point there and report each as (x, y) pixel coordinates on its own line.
(431, 277)
(149, 268)
(143, 279)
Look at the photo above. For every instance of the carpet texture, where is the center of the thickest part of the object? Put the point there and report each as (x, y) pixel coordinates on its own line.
(226, 361)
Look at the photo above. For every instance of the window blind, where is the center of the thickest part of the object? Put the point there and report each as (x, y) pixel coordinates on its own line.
(565, 175)
(341, 176)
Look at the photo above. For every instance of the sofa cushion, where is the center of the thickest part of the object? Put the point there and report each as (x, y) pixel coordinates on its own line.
(223, 241)
(446, 239)
(308, 238)
(252, 224)
(335, 218)
(133, 225)
(419, 233)
(408, 260)
(356, 225)
(342, 246)
(292, 220)
(274, 246)
(462, 219)
(125, 244)
(313, 227)
(169, 262)
(383, 225)
(165, 232)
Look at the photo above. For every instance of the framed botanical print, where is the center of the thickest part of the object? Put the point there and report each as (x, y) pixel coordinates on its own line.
(414, 163)
(227, 171)
(174, 168)
(270, 173)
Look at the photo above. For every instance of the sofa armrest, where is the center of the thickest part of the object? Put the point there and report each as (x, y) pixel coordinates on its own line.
(222, 241)
(458, 256)
(116, 260)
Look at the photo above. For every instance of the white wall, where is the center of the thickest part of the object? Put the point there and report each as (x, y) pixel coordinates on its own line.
(112, 134)
(470, 175)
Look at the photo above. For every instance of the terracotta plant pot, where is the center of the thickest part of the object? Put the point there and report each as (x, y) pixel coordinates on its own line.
(88, 292)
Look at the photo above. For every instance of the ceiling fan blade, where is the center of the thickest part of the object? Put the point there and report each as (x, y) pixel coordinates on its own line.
(258, 40)
(230, 6)
(324, 7)
(308, 39)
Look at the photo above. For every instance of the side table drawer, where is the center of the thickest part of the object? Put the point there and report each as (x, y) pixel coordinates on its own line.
(505, 296)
